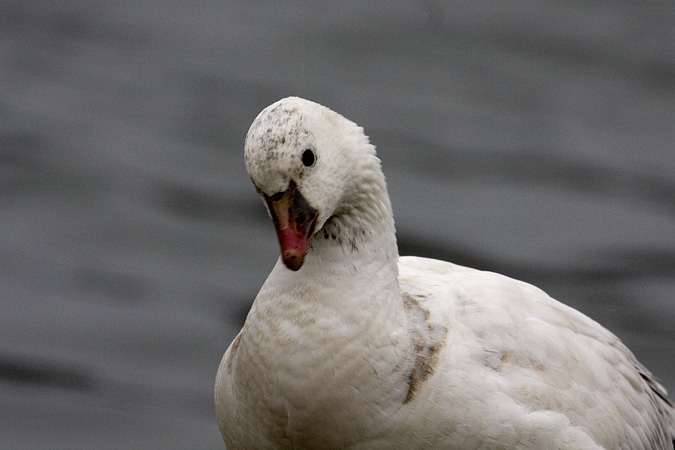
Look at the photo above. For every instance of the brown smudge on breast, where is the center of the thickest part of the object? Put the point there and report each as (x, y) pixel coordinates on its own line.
(428, 340)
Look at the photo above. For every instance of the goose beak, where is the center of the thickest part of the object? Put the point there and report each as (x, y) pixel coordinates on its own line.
(294, 221)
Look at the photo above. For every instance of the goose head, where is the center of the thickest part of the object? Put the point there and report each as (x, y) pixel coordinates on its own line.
(311, 167)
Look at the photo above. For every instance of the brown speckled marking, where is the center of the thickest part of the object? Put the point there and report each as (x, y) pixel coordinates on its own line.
(505, 358)
(427, 349)
(332, 232)
(280, 131)
(233, 350)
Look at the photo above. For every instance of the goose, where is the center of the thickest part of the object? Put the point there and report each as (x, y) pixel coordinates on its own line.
(350, 346)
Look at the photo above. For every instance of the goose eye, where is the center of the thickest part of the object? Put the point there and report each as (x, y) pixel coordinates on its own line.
(308, 158)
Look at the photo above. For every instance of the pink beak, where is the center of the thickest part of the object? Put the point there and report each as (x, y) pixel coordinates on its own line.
(294, 222)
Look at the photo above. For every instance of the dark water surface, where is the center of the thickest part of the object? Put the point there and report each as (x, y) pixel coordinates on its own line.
(534, 138)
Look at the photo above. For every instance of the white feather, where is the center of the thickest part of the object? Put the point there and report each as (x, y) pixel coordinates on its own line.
(361, 349)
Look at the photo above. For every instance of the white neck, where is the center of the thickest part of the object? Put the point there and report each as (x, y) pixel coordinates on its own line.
(349, 278)
(328, 338)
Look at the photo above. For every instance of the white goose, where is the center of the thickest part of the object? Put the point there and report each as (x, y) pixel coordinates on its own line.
(348, 346)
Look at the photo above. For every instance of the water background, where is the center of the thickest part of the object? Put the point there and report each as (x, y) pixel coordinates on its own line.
(534, 138)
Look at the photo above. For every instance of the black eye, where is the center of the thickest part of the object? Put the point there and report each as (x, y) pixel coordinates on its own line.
(308, 158)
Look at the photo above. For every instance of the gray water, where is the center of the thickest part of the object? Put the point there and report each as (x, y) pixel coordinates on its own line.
(533, 138)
